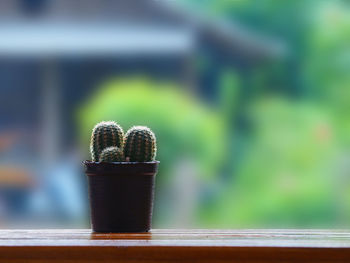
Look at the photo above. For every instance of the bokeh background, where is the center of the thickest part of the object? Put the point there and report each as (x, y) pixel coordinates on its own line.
(250, 101)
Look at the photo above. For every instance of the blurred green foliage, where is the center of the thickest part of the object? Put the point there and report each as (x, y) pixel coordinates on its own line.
(284, 179)
(328, 62)
(295, 166)
(291, 169)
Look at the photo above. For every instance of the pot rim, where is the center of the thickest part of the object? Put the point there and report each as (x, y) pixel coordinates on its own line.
(89, 162)
(118, 168)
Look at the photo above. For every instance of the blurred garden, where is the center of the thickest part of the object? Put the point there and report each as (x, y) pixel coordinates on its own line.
(250, 101)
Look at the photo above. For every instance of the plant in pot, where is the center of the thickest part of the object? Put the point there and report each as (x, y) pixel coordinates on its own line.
(121, 178)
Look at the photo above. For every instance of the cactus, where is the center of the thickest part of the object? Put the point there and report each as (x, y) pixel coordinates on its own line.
(105, 134)
(140, 144)
(112, 154)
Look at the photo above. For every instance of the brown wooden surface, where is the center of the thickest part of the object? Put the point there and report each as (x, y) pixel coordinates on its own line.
(176, 246)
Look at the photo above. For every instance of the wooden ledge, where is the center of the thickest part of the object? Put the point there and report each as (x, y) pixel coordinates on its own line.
(71, 245)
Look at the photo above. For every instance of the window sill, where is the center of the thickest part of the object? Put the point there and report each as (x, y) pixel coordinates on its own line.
(71, 245)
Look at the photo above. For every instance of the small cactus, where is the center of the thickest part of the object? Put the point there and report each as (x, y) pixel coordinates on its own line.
(105, 134)
(112, 154)
(140, 144)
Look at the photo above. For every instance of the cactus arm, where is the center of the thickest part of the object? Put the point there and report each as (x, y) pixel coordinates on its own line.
(140, 144)
(105, 134)
(112, 154)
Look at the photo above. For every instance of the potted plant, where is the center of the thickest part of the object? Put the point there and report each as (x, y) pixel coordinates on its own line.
(121, 178)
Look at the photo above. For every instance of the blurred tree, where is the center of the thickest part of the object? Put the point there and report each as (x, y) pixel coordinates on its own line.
(289, 21)
(185, 128)
(285, 179)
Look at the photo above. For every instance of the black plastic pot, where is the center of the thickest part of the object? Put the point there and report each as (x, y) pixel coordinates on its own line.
(121, 195)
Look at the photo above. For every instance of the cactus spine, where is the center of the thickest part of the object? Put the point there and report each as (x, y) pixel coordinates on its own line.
(112, 154)
(140, 144)
(105, 134)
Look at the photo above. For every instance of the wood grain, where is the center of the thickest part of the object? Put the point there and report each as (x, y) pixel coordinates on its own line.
(175, 246)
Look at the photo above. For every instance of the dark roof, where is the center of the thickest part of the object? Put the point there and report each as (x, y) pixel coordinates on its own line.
(232, 40)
